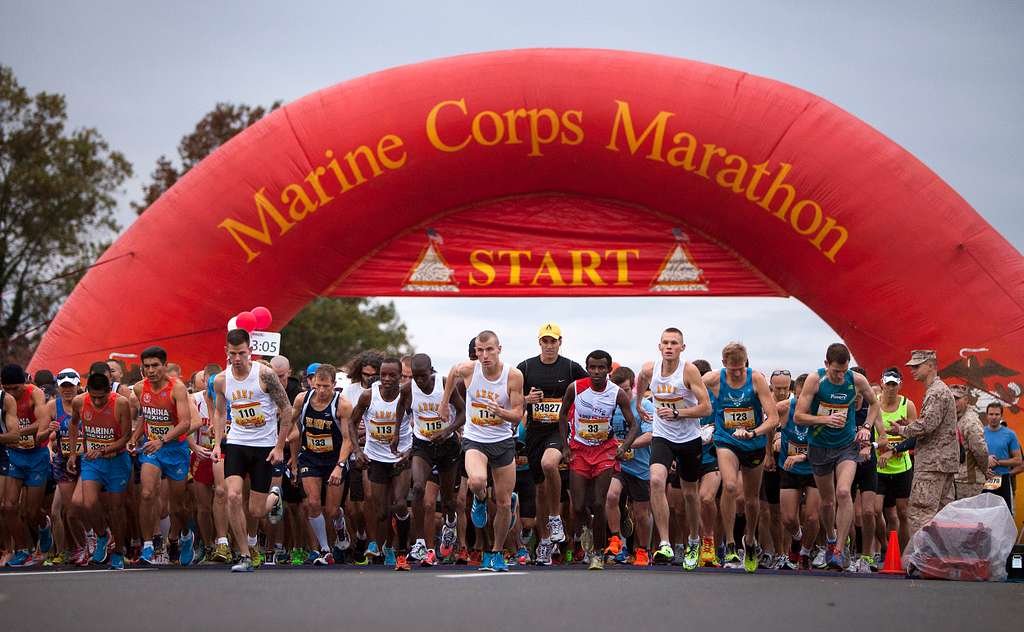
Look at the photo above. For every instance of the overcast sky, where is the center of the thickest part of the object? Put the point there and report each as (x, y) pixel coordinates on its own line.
(942, 79)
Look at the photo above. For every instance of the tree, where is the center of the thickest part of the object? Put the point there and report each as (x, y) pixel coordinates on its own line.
(328, 329)
(58, 195)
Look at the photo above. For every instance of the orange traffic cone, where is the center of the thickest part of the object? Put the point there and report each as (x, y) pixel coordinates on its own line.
(893, 565)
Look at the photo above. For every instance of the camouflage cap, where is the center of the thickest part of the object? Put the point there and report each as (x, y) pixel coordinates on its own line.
(959, 390)
(920, 356)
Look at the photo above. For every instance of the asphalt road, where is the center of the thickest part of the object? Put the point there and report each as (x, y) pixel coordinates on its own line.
(525, 600)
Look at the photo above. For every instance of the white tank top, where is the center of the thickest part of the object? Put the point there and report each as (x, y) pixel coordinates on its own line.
(671, 391)
(381, 426)
(592, 412)
(483, 426)
(425, 407)
(253, 413)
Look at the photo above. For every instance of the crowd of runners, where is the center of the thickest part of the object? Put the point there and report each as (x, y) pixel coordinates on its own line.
(548, 462)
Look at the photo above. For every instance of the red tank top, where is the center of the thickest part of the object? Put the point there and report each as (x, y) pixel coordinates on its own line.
(27, 417)
(159, 411)
(100, 425)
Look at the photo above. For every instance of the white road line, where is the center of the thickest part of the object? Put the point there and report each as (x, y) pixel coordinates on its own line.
(477, 575)
(98, 570)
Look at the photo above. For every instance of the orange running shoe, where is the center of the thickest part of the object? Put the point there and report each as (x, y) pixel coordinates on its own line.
(640, 557)
(462, 558)
(614, 545)
(475, 557)
(401, 563)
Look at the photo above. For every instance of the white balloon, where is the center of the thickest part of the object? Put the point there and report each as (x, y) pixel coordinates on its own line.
(233, 323)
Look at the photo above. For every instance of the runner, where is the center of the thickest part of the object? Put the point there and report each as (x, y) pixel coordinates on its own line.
(796, 480)
(386, 457)
(709, 486)
(545, 380)
(28, 469)
(680, 399)
(363, 372)
(595, 454)
(166, 418)
(632, 481)
(59, 410)
(827, 404)
(321, 439)
(745, 415)
(8, 437)
(105, 420)
(210, 517)
(258, 402)
(895, 470)
(494, 397)
(435, 445)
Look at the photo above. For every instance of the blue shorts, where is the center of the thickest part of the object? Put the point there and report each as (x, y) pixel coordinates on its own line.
(5, 463)
(31, 466)
(111, 473)
(316, 466)
(172, 460)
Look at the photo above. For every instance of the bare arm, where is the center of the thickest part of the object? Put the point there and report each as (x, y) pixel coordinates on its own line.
(764, 394)
(123, 411)
(293, 437)
(563, 414)
(137, 431)
(357, 413)
(643, 382)
(460, 411)
(802, 416)
(220, 404)
(625, 404)
(457, 374)
(343, 414)
(514, 413)
(874, 418)
(695, 383)
(181, 403)
(272, 387)
(10, 420)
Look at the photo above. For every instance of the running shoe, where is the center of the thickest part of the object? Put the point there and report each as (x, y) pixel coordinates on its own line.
(691, 557)
(372, 550)
(708, 554)
(79, 557)
(311, 556)
(198, 552)
(90, 542)
(834, 557)
(146, 556)
(418, 551)
(46, 537)
(622, 557)
(21, 559)
(679, 552)
(277, 511)
(479, 513)
(280, 556)
(614, 546)
(462, 557)
(221, 554)
(750, 556)
(640, 557)
(339, 554)
(100, 555)
(485, 561)
(389, 556)
(187, 545)
(449, 538)
(244, 565)
(117, 561)
(324, 559)
(556, 529)
(402, 563)
(498, 564)
(596, 563)
(731, 558)
(522, 556)
(586, 541)
(804, 563)
(476, 558)
(873, 562)
(569, 555)
(664, 554)
(820, 559)
(256, 555)
(56, 560)
(430, 559)
(766, 560)
(783, 563)
(342, 540)
(512, 508)
(173, 552)
(544, 553)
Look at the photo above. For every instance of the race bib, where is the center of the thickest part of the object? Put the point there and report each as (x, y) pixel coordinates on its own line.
(26, 442)
(994, 483)
(547, 410)
(522, 460)
(65, 446)
(320, 444)
(483, 417)
(796, 449)
(382, 431)
(430, 425)
(824, 410)
(157, 431)
(248, 414)
(593, 428)
(739, 418)
(674, 404)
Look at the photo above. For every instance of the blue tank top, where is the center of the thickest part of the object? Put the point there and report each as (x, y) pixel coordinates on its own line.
(738, 408)
(707, 450)
(794, 441)
(829, 399)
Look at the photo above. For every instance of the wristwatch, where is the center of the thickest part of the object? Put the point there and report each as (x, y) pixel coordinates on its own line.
(675, 414)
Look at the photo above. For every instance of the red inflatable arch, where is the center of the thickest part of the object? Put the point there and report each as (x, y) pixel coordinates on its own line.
(561, 172)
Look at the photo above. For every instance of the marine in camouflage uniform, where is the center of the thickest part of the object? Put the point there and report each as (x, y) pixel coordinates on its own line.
(970, 479)
(937, 453)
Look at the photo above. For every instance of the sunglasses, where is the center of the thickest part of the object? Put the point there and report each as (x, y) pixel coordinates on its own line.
(782, 372)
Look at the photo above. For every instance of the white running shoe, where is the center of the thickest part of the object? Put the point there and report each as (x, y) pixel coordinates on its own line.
(556, 529)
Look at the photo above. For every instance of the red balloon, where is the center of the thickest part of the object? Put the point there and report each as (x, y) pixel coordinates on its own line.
(263, 317)
(246, 321)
